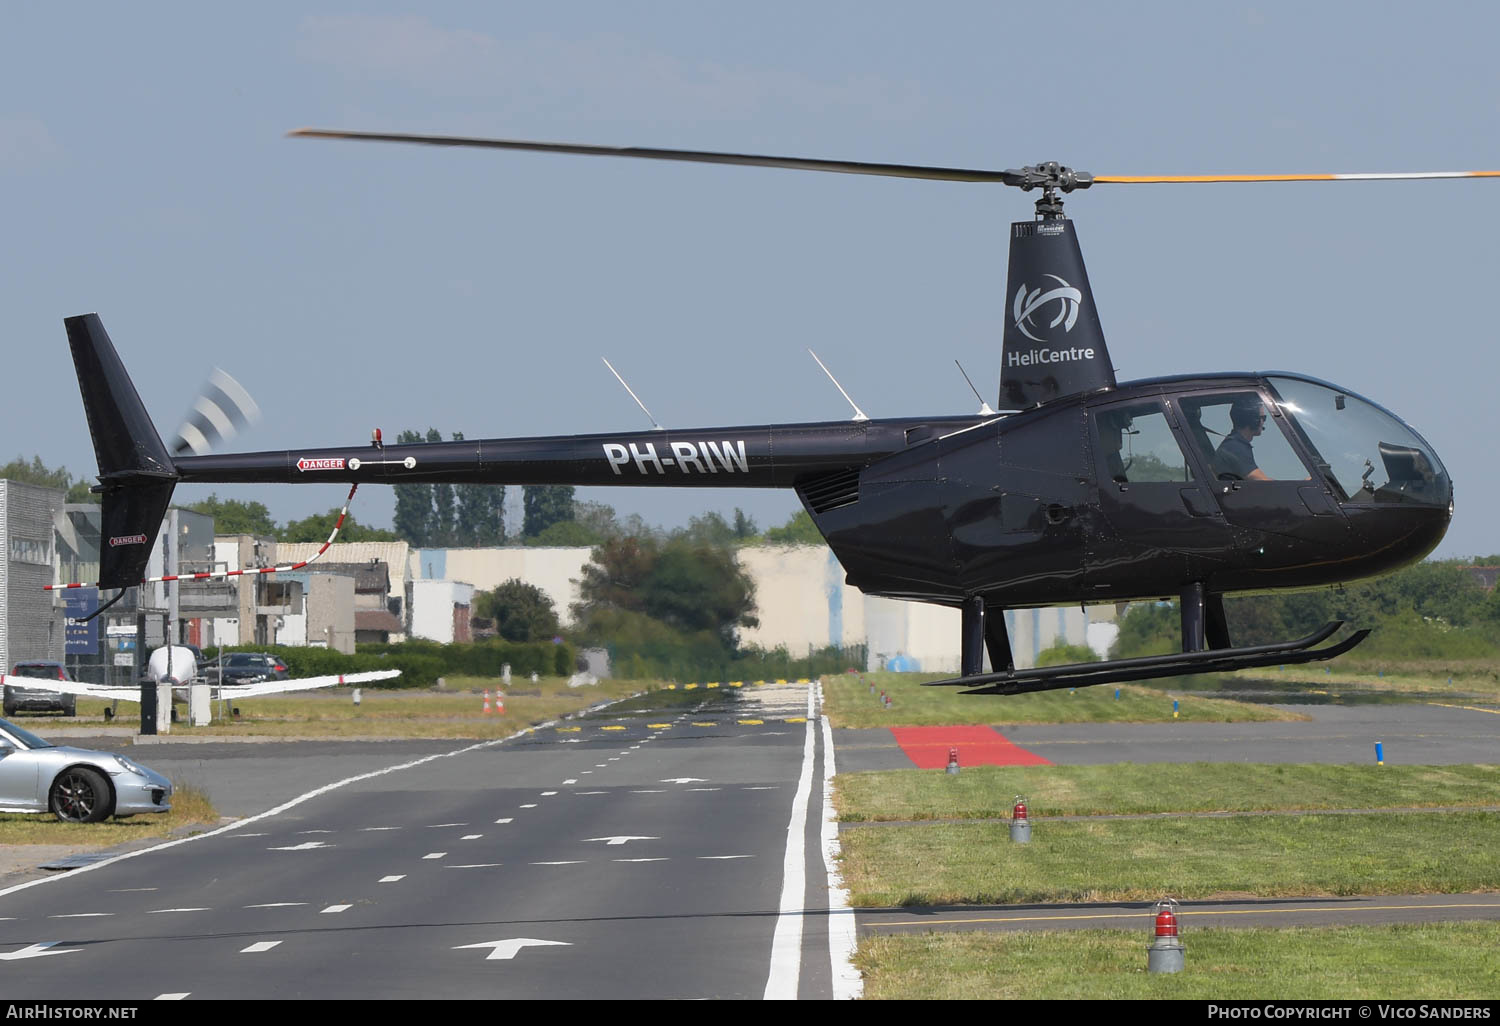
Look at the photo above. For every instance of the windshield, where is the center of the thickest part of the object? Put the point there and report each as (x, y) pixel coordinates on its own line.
(244, 659)
(26, 737)
(1370, 454)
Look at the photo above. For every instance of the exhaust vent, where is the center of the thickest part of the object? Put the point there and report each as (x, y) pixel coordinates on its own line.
(830, 491)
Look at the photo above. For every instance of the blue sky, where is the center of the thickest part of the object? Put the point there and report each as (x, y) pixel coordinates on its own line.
(146, 176)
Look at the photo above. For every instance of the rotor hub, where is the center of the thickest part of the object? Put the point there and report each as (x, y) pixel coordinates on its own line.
(1052, 178)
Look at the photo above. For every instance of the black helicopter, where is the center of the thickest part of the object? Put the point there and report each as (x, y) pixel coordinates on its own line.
(1083, 490)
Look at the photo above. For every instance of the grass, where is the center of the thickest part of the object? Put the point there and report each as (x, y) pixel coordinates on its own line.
(457, 712)
(849, 703)
(982, 792)
(1189, 858)
(1452, 961)
(190, 808)
(1427, 680)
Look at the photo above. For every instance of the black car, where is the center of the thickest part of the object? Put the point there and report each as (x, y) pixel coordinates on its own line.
(253, 667)
(22, 699)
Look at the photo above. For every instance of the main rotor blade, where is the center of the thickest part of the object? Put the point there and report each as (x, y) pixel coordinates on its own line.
(1378, 177)
(848, 167)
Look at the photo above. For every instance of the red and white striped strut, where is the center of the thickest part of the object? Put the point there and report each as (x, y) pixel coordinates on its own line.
(215, 574)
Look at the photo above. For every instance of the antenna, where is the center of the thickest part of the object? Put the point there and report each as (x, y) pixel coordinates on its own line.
(654, 425)
(984, 407)
(858, 413)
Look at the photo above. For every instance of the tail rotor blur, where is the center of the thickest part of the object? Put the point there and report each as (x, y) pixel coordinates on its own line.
(222, 410)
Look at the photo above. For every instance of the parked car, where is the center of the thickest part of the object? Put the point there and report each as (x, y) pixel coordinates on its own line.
(253, 667)
(75, 784)
(19, 699)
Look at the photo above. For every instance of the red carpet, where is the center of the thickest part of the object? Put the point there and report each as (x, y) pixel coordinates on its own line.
(927, 747)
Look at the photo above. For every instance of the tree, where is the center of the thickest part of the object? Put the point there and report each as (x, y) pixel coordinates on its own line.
(521, 611)
(544, 506)
(479, 514)
(235, 516)
(693, 588)
(566, 534)
(798, 530)
(614, 576)
(319, 526)
(698, 587)
(442, 505)
(413, 518)
(38, 473)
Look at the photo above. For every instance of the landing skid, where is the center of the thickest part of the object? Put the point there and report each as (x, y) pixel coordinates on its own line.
(1220, 660)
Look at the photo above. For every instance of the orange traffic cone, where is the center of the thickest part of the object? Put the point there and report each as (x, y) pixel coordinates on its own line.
(486, 702)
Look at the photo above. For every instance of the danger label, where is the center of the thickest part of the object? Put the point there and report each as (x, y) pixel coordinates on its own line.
(127, 539)
(306, 463)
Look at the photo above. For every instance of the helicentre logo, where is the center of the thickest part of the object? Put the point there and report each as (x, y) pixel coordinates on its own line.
(1028, 303)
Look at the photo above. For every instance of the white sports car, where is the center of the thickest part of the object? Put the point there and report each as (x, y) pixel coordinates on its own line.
(75, 784)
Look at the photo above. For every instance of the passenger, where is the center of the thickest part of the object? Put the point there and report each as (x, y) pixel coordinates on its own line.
(1235, 459)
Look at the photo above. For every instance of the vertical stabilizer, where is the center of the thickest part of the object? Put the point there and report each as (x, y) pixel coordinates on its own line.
(135, 470)
(1053, 343)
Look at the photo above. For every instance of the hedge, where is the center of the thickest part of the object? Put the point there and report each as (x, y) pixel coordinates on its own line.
(422, 662)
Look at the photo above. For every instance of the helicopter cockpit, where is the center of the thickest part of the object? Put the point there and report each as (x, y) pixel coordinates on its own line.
(1365, 453)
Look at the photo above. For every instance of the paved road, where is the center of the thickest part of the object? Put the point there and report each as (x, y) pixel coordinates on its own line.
(1410, 733)
(623, 856)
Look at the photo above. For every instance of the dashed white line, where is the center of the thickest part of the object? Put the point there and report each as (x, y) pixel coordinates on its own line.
(548, 794)
(439, 826)
(434, 855)
(81, 915)
(258, 947)
(471, 837)
(279, 904)
(571, 780)
(173, 997)
(591, 792)
(721, 857)
(572, 862)
(530, 806)
(655, 790)
(335, 908)
(505, 819)
(370, 829)
(663, 859)
(392, 879)
(160, 911)
(476, 865)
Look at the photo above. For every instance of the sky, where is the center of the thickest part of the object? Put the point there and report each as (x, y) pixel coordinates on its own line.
(147, 176)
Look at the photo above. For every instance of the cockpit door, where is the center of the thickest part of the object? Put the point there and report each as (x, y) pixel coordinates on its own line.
(1157, 514)
(1272, 497)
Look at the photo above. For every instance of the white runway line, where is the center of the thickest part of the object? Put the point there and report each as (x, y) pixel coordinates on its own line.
(335, 908)
(258, 947)
(786, 944)
(391, 879)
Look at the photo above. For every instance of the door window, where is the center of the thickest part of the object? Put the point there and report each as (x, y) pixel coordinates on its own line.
(1136, 444)
(1239, 438)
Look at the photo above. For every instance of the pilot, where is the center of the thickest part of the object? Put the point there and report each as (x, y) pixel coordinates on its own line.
(1235, 459)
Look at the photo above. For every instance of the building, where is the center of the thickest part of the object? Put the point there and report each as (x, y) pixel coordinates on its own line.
(31, 619)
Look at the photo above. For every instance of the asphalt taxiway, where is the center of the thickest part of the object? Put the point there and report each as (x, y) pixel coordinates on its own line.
(645, 852)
